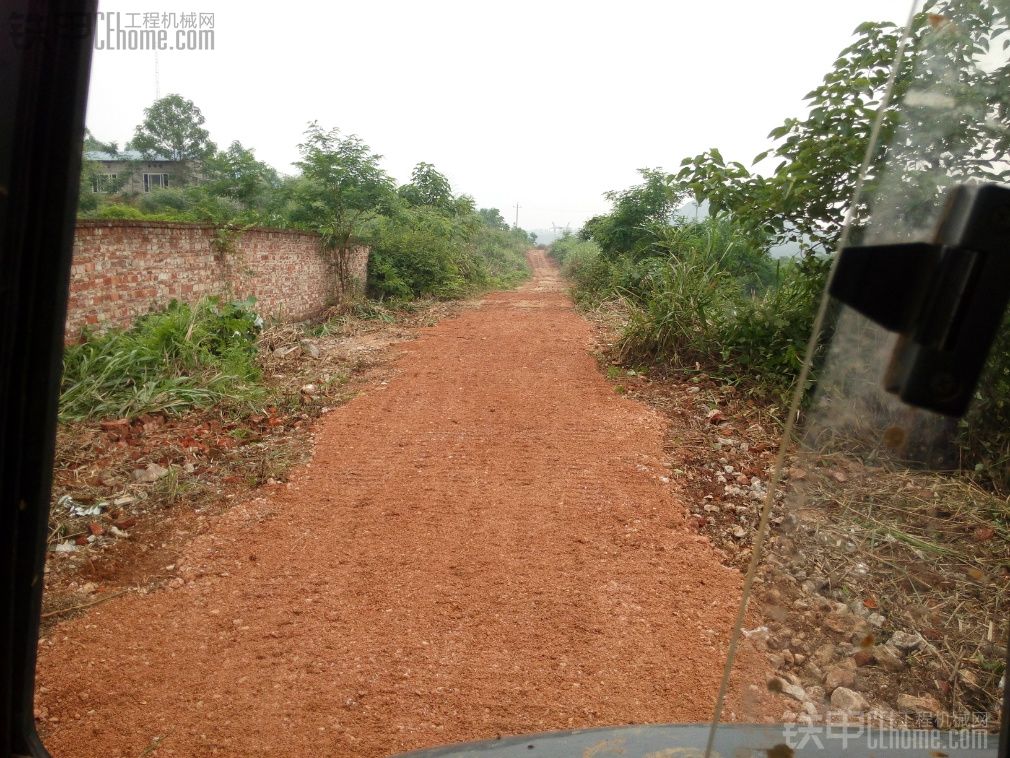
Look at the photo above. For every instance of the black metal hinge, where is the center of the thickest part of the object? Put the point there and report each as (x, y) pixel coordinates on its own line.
(945, 298)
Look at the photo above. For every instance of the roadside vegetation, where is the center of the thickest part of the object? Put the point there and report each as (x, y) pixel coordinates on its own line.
(426, 242)
(703, 297)
(197, 402)
(732, 291)
(709, 278)
(181, 358)
(426, 239)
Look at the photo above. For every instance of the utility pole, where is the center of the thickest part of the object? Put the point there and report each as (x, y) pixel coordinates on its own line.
(516, 225)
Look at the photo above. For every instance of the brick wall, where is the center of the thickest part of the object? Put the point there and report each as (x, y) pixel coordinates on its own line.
(123, 269)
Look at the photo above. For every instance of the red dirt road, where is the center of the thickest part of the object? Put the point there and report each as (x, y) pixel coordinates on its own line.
(482, 546)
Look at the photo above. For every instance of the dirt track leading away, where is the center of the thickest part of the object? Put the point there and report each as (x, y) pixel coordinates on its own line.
(486, 545)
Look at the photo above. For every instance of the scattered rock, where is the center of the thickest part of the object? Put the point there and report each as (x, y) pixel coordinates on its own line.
(916, 704)
(310, 349)
(864, 657)
(309, 389)
(888, 658)
(152, 473)
(816, 694)
(759, 636)
(824, 654)
(785, 686)
(841, 675)
(905, 642)
(844, 699)
(876, 619)
(739, 532)
(813, 671)
(841, 624)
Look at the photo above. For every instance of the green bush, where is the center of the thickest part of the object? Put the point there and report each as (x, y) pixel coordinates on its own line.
(591, 274)
(169, 200)
(504, 255)
(742, 254)
(173, 360)
(416, 252)
(118, 211)
(766, 337)
(684, 308)
(424, 251)
(704, 293)
(193, 205)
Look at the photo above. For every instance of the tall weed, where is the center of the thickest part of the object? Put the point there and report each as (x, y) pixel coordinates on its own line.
(706, 294)
(173, 360)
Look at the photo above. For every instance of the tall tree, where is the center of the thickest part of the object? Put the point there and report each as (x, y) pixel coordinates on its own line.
(948, 119)
(173, 128)
(628, 227)
(93, 144)
(427, 186)
(492, 217)
(342, 187)
(236, 173)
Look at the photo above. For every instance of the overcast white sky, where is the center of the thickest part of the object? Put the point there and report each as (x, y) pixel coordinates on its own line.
(548, 104)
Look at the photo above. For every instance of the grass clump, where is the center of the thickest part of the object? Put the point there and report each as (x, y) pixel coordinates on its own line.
(704, 294)
(170, 361)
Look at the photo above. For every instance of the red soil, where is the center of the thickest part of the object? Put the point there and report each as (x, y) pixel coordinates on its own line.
(483, 546)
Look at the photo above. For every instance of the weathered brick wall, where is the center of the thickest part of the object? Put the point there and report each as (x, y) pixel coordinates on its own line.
(123, 269)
